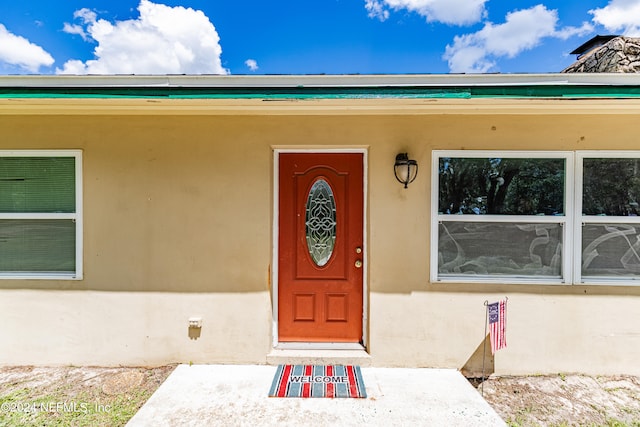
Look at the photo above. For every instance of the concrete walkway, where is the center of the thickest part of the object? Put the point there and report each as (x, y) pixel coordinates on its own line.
(237, 395)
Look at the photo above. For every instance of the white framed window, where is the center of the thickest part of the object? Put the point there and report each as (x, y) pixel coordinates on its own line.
(41, 214)
(607, 221)
(552, 217)
(502, 217)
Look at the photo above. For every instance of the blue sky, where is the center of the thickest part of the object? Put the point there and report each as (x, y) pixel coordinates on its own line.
(303, 36)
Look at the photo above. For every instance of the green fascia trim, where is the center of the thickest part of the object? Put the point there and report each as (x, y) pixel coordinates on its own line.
(557, 91)
(236, 93)
(226, 96)
(277, 93)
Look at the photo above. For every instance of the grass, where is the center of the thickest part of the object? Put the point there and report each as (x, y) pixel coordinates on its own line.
(566, 400)
(521, 421)
(521, 417)
(57, 409)
(72, 403)
(611, 422)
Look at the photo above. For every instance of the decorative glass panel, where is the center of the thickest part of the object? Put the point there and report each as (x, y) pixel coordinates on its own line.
(320, 222)
(611, 250)
(496, 248)
(611, 187)
(501, 186)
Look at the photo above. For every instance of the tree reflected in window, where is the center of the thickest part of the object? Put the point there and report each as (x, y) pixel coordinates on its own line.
(501, 186)
(611, 187)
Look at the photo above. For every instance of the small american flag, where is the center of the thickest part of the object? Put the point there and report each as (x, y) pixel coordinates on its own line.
(498, 325)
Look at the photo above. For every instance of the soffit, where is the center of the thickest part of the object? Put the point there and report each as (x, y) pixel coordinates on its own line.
(295, 107)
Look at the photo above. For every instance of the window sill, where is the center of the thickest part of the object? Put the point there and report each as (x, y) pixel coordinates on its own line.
(501, 280)
(40, 276)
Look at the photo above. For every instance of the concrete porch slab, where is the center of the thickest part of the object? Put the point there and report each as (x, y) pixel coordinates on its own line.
(237, 395)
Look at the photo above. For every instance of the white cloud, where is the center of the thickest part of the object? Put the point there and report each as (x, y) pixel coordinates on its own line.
(619, 16)
(163, 40)
(74, 66)
(18, 51)
(252, 64)
(376, 9)
(567, 32)
(522, 30)
(453, 12)
(86, 15)
(75, 29)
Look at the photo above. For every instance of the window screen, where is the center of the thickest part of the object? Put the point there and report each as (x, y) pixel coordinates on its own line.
(39, 216)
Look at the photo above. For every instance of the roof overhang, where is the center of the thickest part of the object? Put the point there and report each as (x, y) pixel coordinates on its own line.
(98, 82)
(321, 94)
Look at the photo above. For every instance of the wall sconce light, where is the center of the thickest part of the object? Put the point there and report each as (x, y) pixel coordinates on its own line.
(405, 169)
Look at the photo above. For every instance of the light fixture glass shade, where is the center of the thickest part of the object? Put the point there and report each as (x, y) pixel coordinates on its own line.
(405, 169)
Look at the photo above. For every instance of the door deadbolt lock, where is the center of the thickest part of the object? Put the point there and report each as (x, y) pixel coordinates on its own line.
(358, 263)
(358, 250)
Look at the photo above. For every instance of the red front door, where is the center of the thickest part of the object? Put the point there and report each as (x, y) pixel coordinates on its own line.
(320, 252)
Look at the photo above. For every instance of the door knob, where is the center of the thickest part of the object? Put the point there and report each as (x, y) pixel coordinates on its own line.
(358, 263)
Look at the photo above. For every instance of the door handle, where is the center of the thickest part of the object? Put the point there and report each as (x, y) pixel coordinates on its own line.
(358, 263)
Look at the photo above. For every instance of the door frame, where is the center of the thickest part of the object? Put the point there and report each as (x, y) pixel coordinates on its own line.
(274, 256)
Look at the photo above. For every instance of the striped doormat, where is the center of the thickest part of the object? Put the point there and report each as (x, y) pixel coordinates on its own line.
(317, 381)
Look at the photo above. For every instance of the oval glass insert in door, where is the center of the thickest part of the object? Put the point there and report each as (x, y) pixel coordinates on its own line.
(320, 222)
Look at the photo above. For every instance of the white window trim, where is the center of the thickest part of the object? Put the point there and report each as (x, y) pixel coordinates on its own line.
(579, 219)
(573, 220)
(566, 220)
(76, 216)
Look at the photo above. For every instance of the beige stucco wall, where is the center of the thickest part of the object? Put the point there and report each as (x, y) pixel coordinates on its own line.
(178, 203)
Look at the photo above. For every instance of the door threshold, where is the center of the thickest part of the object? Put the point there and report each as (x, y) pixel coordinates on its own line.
(319, 346)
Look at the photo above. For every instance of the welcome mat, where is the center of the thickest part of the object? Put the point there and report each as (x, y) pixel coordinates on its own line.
(318, 381)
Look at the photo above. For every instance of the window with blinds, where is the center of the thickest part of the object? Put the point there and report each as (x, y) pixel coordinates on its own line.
(40, 214)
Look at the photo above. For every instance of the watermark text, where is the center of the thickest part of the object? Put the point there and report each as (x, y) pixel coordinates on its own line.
(53, 407)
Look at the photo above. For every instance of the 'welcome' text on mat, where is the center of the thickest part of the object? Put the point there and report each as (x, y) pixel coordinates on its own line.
(318, 381)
